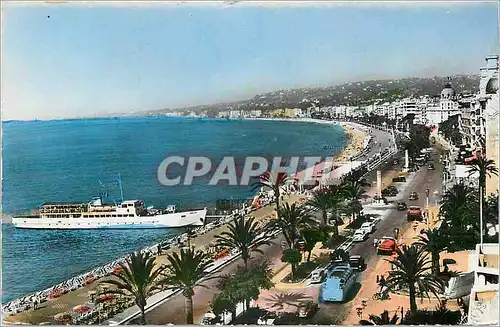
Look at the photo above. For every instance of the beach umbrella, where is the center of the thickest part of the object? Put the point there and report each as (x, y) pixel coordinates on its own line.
(106, 297)
(62, 317)
(82, 308)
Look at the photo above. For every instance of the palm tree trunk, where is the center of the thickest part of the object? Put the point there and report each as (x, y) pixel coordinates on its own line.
(335, 229)
(294, 268)
(189, 310)
(325, 218)
(309, 256)
(143, 316)
(481, 214)
(435, 262)
(277, 199)
(413, 300)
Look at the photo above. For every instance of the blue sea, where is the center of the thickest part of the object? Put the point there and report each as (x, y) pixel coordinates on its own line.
(74, 160)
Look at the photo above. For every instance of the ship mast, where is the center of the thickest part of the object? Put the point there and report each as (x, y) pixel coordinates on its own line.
(120, 184)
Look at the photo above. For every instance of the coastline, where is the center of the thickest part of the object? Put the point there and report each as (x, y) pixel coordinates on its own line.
(355, 139)
(355, 133)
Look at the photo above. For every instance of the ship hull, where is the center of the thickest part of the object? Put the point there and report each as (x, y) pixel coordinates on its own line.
(178, 219)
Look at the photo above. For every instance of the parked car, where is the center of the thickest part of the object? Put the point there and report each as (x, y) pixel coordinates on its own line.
(307, 309)
(399, 179)
(317, 275)
(402, 206)
(390, 191)
(430, 166)
(387, 245)
(360, 235)
(369, 227)
(413, 196)
(414, 213)
(395, 162)
(378, 199)
(357, 262)
(374, 220)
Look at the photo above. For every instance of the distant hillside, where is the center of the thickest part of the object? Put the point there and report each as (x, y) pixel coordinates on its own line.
(353, 93)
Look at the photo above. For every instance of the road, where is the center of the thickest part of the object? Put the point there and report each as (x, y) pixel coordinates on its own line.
(383, 141)
(422, 180)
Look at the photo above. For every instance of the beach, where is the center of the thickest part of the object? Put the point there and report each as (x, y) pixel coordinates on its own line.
(67, 301)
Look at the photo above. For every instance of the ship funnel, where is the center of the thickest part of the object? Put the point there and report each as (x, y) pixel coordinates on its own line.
(96, 201)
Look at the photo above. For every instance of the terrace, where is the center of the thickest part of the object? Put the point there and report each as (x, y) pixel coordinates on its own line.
(483, 307)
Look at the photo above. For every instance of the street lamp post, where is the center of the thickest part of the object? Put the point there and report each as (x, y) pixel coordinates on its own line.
(427, 205)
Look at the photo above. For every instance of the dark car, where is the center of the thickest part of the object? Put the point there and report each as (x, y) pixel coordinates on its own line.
(390, 191)
(395, 162)
(430, 166)
(402, 206)
(400, 179)
(357, 262)
(413, 196)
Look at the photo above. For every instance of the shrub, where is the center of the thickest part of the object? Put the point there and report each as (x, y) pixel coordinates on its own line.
(441, 316)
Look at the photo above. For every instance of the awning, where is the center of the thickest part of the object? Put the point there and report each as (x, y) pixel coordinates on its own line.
(459, 286)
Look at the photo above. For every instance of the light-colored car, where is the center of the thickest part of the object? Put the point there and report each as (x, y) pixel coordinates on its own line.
(375, 220)
(317, 275)
(369, 227)
(360, 235)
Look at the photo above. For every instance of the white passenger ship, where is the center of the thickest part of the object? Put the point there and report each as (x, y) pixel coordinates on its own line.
(97, 215)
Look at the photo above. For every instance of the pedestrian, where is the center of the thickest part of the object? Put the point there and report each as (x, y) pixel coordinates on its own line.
(35, 305)
(375, 243)
(158, 248)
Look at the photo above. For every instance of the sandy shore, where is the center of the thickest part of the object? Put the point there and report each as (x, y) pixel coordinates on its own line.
(354, 145)
(66, 302)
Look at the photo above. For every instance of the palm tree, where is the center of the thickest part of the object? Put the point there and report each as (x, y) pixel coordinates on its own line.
(383, 319)
(457, 204)
(354, 191)
(243, 235)
(484, 168)
(458, 208)
(274, 182)
(291, 219)
(184, 273)
(324, 201)
(321, 201)
(434, 242)
(411, 271)
(137, 278)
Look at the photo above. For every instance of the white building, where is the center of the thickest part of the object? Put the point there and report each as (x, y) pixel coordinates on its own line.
(489, 93)
(483, 303)
(382, 109)
(255, 113)
(235, 114)
(447, 107)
